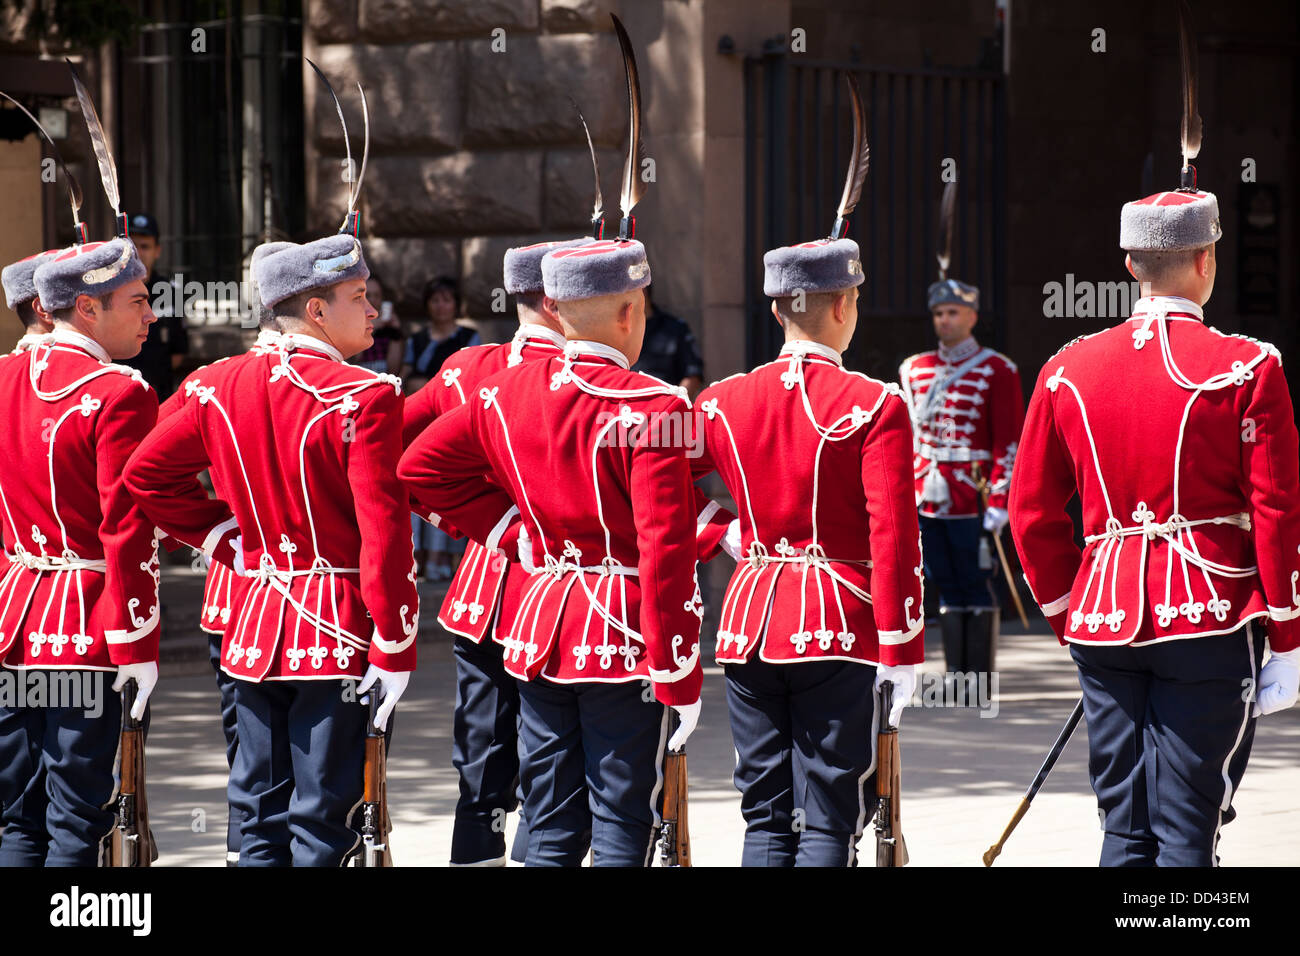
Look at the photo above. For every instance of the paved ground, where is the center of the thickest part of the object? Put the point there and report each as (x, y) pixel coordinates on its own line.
(963, 774)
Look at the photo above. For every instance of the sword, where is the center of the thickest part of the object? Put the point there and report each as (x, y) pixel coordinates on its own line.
(1067, 732)
(982, 484)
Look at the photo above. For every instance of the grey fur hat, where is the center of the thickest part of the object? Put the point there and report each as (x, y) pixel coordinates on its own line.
(523, 264)
(1170, 221)
(17, 278)
(261, 313)
(97, 268)
(285, 272)
(952, 292)
(824, 265)
(595, 268)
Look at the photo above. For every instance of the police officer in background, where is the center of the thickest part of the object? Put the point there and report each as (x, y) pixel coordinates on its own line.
(670, 352)
(168, 342)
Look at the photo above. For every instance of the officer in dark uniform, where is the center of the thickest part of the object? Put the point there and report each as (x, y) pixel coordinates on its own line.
(670, 352)
(168, 341)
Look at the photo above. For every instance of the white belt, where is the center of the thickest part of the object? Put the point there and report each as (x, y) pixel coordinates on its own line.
(954, 454)
(267, 571)
(557, 568)
(47, 562)
(1164, 529)
(813, 558)
(281, 580)
(813, 555)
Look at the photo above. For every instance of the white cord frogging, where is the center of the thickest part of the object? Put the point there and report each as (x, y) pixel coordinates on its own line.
(813, 558)
(1176, 530)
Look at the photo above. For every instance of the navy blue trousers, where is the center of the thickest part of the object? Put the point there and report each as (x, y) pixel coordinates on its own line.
(226, 687)
(56, 780)
(950, 548)
(1169, 734)
(591, 762)
(805, 759)
(297, 777)
(485, 753)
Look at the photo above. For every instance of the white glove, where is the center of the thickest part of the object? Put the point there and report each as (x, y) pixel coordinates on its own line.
(904, 679)
(524, 551)
(731, 540)
(238, 544)
(1279, 683)
(145, 677)
(392, 685)
(995, 519)
(690, 716)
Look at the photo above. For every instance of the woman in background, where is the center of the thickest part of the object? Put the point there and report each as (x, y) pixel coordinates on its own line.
(426, 350)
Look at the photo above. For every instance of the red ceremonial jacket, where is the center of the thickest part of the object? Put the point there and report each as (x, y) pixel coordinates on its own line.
(80, 589)
(1181, 443)
(967, 408)
(818, 459)
(304, 448)
(484, 592)
(613, 522)
(221, 580)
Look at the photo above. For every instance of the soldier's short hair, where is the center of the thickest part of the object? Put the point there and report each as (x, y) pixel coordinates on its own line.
(27, 314)
(1160, 265)
(295, 307)
(67, 315)
(816, 308)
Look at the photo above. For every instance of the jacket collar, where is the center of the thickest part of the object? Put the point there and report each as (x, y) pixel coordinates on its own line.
(292, 341)
(581, 348)
(803, 348)
(63, 336)
(31, 340)
(960, 352)
(1166, 305)
(538, 334)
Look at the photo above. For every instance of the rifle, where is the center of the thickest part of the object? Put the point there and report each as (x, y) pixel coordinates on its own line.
(675, 836)
(375, 823)
(891, 848)
(131, 843)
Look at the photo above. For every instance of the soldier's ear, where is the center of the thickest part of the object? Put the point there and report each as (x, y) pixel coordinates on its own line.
(1128, 264)
(776, 314)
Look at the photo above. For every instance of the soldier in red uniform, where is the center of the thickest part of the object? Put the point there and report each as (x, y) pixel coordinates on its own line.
(80, 593)
(21, 297)
(609, 537)
(221, 580)
(967, 409)
(1181, 444)
(304, 449)
(818, 459)
(485, 590)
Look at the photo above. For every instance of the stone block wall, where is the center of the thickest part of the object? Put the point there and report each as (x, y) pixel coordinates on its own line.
(475, 145)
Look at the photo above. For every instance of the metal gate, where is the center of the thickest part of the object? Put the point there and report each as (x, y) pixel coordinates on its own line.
(798, 135)
(212, 129)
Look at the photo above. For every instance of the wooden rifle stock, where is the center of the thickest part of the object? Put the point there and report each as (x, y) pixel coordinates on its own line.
(375, 824)
(675, 837)
(891, 848)
(131, 843)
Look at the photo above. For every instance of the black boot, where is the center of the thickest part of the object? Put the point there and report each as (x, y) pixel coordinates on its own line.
(952, 627)
(982, 640)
